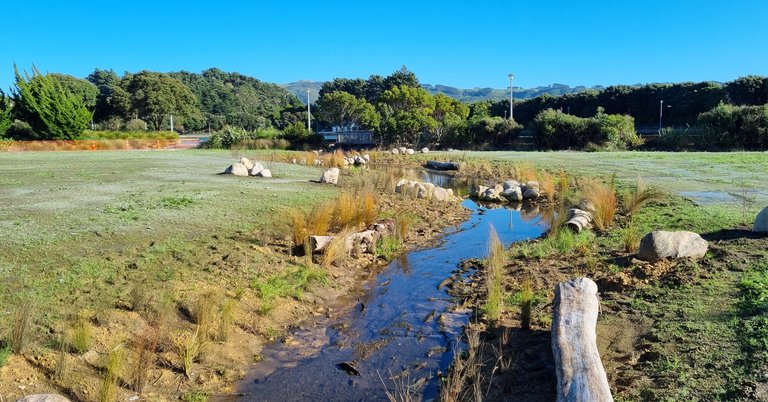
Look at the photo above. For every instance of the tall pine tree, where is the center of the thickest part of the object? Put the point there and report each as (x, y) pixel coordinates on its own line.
(51, 110)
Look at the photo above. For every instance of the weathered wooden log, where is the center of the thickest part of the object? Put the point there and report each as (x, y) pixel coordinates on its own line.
(580, 373)
(578, 219)
(435, 165)
(364, 242)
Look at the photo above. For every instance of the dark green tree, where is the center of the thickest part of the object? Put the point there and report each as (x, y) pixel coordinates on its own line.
(343, 109)
(83, 89)
(401, 78)
(6, 118)
(51, 110)
(406, 115)
(155, 97)
(749, 90)
(111, 101)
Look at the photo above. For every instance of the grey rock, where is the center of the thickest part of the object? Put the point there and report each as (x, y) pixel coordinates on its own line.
(440, 194)
(761, 221)
(425, 150)
(531, 193)
(237, 169)
(255, 169)
(330, 176)
(402, 150)
(410, 151)
(513, 194)
(661, 244)
(395, 151)
(265, 173)
(510, 184)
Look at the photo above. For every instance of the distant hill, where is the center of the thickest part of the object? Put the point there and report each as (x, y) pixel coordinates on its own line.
(299, 88)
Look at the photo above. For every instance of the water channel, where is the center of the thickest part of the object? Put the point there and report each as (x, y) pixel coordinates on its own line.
(404, 326)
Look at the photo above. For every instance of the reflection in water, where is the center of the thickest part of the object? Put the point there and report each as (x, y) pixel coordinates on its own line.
(405, 326)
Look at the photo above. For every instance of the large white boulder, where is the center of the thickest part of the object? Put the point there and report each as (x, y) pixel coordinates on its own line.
(265, 173)
(330, 176)
(237, 169)
(761, 221)
(425, 150)
(247, 162)
(255, 169)
(440, 194)
(510, 184)
(660, 244)
(395, 151)
(409, 151)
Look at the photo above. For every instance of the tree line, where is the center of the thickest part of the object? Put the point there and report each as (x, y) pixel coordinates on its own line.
(396, 107)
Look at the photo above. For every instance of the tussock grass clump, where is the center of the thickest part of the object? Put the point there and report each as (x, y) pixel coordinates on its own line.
(288, 283)
(144, 347)
(404, 221)
(367, 212)
(112, 372)
(337, 159)
(81, 334)
(388, 247)
(226, 321)
(346, 211)
(640, 195)
(494, 276)
(464, 381)
(547, 185)
(603, 197)
(204, 312)
(310, 158)
(556, 219)
(318, 222)
(526, 299)
(21, 327)
(190, 347)
(631, 237)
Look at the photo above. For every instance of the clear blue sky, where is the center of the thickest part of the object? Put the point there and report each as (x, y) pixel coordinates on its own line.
(470, 43)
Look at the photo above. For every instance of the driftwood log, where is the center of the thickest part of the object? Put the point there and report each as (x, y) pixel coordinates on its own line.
(578, 219)
(435, 165)
(580, 373)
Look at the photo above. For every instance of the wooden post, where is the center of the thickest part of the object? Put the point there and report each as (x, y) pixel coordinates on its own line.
(580, 373)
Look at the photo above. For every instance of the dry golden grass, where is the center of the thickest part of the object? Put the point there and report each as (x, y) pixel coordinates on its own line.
(526, 171)
(143, 347)
(299, 231)
(318, 222)
(404, 221)
(603, 197)
(547, 185)
(337, 159)
(346, 211)
(367, 212)
(310, 158)
(563, 183)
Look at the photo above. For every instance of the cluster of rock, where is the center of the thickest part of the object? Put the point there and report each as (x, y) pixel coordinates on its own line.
(423, 190)
(408, 151)
(509, 191)
(357, 160)
(358, 243)
(247, 168)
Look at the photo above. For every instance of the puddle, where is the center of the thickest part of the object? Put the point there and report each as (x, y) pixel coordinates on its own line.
(404, 327)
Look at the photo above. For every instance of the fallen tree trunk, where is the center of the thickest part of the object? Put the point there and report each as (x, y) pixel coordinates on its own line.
(578, 219)
(435, 165)
(580, 373)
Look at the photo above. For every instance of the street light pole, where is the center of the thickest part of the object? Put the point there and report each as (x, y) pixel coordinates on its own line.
(661, 112)
(511, 99)
(309, 118)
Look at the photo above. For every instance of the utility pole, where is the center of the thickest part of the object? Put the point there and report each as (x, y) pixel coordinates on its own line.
(309, 116)
(511, 99)
(661, 112)
(171, 122)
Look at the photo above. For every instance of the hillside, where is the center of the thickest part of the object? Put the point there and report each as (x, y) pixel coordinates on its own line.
(299, 88)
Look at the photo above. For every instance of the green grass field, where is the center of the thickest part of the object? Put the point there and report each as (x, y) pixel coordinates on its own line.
(76, 226)
(723, 177)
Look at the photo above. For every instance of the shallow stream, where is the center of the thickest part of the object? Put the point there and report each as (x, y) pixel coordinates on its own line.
(404, 329)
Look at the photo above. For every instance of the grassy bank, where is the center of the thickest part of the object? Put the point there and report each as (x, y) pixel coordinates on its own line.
(153, 259)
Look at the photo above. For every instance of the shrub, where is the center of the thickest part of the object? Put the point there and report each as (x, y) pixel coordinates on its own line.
(81, 334)
(738, 126)
(136, 125)
(557, 130)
